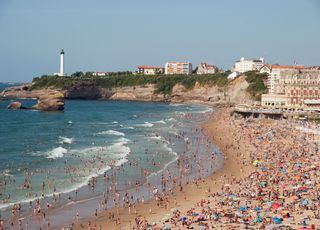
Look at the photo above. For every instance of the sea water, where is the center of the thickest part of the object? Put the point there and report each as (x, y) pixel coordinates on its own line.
(46, 153)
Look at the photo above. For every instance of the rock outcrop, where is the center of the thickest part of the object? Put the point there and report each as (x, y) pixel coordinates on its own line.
(15, 105)
(54, 101)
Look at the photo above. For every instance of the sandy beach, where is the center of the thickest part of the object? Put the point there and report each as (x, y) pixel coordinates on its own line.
(252, 189)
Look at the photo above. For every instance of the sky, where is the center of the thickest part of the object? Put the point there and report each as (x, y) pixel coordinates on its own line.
(118, 35)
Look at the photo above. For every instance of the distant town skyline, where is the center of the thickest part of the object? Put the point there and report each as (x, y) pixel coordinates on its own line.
(120, 35)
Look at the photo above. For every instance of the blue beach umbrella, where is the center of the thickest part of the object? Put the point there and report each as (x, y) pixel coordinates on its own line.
(277, 220)
(263, 184)
(243, 209)
(184, 218)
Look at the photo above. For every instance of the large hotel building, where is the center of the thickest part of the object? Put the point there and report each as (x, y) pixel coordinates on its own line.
(294, 88)
(178, 68)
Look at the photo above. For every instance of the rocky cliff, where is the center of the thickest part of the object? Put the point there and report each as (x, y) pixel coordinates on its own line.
(234, 93)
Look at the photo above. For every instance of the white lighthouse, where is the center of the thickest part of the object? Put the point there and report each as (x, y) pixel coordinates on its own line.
(61, 63)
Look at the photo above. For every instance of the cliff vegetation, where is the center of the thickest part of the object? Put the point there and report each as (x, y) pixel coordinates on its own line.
(257, 85)
(163, 83)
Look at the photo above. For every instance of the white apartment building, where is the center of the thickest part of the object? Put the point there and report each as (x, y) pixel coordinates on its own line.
(178, 68)
(245, 65)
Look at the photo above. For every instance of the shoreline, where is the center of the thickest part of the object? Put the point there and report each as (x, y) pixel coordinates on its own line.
(191, 193)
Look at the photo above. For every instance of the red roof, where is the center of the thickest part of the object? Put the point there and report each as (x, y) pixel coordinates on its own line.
(284, 66)
(149, 67)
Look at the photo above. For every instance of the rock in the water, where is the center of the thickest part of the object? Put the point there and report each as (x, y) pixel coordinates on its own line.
(53, 101)
(49, 101)
(15, 105)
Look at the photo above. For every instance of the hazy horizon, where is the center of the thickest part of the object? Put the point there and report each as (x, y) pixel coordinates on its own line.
(119, 35)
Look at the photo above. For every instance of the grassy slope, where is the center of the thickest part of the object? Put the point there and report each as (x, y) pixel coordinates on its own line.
(256, 84)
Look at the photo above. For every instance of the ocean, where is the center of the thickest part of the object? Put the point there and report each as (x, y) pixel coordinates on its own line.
(47, 153)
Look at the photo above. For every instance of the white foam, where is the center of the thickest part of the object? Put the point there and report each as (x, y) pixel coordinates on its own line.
(65, 140)
(111, 132)
(204, 110)
(146, 124)
(69, 122)
(175, 104)
(128, 127)
(115, 122)
(57, 153)
(171, 119)
(155, 137)
(159, 122)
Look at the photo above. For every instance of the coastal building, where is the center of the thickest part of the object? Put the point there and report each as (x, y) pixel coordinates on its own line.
(100, 74)
(274, 75)
(300, 88)
(233, 75)
(178, 68)
(245, 65)
(205, 68)
(150, 70)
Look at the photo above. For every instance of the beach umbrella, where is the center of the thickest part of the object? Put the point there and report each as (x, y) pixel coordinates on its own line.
(166, 217)
(256, 163)
(243, 209)
(305, 202)
(201, 217)
(298, 165)
(293, 198)
(195, 214)
(277, 220)
(282, 197)
(302, 189)
(275, 205)
(258, 208)
(233, 197)
(184, 218)
(263, 184)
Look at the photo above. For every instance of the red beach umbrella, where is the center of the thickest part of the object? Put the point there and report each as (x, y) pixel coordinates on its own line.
(275, 205)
